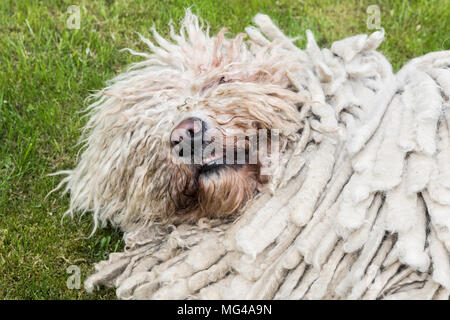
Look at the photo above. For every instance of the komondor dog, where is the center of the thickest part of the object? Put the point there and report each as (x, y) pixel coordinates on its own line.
(248, 168)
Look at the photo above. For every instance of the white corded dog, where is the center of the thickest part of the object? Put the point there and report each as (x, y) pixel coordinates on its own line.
(356, 203)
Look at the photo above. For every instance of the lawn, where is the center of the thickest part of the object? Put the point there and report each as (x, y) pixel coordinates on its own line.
(47, 70)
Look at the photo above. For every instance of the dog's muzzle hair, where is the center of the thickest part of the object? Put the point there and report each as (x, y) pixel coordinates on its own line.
(209, 183)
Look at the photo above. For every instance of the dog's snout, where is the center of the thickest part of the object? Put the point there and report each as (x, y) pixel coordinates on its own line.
(189, 132)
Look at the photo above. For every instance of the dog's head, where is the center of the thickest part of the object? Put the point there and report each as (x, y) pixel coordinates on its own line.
(179, 136)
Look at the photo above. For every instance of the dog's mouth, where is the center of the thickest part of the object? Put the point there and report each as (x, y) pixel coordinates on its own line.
(211, 167)
(214, 164)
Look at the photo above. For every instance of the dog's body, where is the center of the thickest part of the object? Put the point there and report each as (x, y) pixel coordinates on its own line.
(338, 111)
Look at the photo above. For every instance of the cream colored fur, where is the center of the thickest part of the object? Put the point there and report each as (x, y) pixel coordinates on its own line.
(358, 206)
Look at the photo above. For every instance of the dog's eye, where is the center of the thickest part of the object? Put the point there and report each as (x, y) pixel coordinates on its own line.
(222, 80)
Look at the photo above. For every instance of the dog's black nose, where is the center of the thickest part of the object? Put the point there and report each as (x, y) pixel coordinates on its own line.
(188, 134)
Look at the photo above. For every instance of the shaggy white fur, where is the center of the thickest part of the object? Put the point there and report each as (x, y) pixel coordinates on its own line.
(359, 206)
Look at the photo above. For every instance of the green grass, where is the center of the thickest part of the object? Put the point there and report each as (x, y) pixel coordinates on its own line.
(46, 72)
